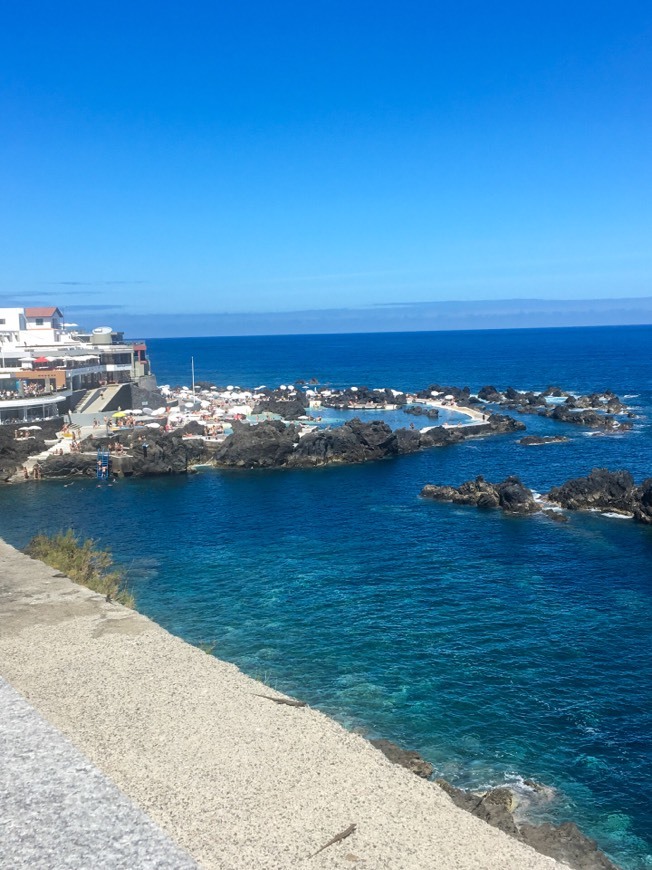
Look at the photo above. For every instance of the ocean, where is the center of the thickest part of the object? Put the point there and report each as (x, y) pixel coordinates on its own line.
(501, 648)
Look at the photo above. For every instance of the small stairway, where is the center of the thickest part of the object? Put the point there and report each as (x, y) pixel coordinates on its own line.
(101, 400)
(87, 399)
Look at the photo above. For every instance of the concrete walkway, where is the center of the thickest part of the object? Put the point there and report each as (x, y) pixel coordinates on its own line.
(58, 811)
(238, 781)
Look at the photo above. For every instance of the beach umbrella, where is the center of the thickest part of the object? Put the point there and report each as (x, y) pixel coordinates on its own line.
(24, 429)
(153, 425)
(189, 404)
(120, 414)
(147, 411)
(158, 412)
(137, 412)
(33, 428)
(449, 398)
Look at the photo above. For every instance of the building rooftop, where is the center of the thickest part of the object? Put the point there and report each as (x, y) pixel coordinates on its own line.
(42, 312)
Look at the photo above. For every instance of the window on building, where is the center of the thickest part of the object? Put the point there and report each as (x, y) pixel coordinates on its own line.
(2, 320)
(39, 321)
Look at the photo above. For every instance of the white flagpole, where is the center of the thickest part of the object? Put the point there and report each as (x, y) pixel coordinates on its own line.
(192, 364)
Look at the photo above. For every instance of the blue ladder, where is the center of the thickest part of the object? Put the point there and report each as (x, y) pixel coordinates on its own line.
(103, 464)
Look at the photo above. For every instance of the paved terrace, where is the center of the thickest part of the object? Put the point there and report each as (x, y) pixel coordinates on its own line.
(133, 746)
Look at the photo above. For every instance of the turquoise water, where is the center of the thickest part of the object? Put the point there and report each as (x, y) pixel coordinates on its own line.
(498, 647)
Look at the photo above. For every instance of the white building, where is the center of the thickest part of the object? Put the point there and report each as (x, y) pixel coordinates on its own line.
(43, 325)
(40, 358)
(12, 324)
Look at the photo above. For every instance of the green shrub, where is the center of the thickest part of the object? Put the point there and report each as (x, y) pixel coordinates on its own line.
(83, 562)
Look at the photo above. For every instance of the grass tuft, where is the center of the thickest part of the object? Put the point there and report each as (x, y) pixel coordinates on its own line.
(84, 562)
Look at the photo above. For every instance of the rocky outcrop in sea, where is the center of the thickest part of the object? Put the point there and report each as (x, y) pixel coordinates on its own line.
(144, 453)
(535, 440)
(499, 807)
(421, 411)
(353, 397)
(598, 410)
(510, 495)
(607, 491)
(276, 445)
(565, 842)
(602, 490)
(288, 409)
(269, 444)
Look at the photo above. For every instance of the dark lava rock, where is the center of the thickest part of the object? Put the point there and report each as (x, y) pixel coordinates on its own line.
(459, 394)
(490, 394)
(352, 397)
(288, 409)
(601, 489)
(606, 490)
(148, 452)
(556, 517)
(410, 440)
(643, 509)
(554, 392)
(266, 445)
(272, 444)
(421, 411)
(14, 451)
(166, 453)
(566, 843)
(510, 495)
(69, 465)
(592, 419)
(439, 437)
(531, 440)
(353, 442)
(494, 807)
(405, 757)
(595, 410)
(192, 427)
(498, 424)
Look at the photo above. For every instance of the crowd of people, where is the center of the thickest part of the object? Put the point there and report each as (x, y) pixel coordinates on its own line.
(29, 390)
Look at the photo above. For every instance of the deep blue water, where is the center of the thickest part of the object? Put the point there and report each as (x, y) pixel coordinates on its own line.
(498, 647)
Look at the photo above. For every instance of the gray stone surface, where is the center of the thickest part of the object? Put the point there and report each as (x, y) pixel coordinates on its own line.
(239, 782)
(57, 811)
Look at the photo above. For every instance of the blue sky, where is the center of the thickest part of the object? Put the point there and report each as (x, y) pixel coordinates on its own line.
(216, 158)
